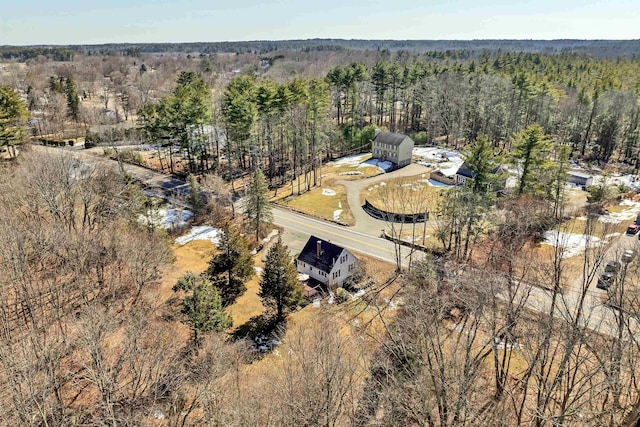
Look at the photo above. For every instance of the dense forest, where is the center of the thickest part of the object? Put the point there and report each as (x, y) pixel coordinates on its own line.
(602, 48)
(291, 108)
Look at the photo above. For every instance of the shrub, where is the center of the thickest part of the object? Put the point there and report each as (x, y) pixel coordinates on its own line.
(341, 296)
(420, 138)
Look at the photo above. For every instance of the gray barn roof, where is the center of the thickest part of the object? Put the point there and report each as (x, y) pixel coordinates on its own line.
(580, 174)
(389, 138)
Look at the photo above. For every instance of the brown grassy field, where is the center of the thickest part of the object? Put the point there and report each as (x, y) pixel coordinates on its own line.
(316, 203)
(404, 195)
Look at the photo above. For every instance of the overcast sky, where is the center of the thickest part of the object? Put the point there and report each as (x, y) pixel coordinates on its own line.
(25, 22)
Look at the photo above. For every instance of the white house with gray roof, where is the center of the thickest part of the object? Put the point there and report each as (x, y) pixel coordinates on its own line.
(325, 262)
(394, 147)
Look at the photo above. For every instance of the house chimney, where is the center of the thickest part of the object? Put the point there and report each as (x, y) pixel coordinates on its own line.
(319, 248)
(377, 132)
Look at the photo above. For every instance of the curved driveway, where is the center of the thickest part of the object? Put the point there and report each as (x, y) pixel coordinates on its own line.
(364, 223)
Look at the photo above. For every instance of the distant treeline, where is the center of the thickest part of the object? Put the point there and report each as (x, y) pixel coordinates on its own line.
(28, 52)
(599, 48)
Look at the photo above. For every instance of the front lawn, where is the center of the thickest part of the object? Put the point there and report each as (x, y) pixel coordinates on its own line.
(324, 202)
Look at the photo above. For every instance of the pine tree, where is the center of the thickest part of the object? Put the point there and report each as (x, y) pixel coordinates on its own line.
(279, 287)
(231, 266)
(73, 102)
(557, 181)
(202, 306)
(13, 117)
(258, 208)
(482, 162)
(532, 149)
(195, 196)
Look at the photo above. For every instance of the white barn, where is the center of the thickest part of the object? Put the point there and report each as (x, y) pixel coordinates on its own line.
(580, 178)
(325, 262)
(394, 147)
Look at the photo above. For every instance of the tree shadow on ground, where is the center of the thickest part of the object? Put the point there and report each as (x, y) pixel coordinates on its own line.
(262, 325)
(171, 310)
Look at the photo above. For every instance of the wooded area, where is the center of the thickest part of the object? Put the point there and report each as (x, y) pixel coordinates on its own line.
(489, 329)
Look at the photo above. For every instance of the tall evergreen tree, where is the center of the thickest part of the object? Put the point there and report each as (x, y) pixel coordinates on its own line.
(480, 160)
(202, 306)
(532, 149)
(73, 102)
(279, 286)
(317, 107)
(239, 113)
(557, 179)
(13, 117)
(195, 196)
(258, 208)
(231, 266)
(190, 110)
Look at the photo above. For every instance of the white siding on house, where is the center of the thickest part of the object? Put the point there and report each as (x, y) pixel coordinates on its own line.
(313, 272)
(405, 151)
(400, 154)
(342, 269)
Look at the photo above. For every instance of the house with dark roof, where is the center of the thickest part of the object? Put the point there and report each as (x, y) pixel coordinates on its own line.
(464, 176)
(394, 147)
(325, 262)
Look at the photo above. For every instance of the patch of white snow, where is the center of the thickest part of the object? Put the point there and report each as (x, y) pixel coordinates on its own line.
(200, 232)
(573, 244)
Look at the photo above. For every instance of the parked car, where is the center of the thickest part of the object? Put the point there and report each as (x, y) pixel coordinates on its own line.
(633, 229)
(628, 255)
(606, 280)
(612, 267)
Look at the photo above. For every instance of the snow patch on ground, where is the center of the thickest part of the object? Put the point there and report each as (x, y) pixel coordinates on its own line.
(371, 162)
(358, 294)
(447, 161)
(328, 192)
(386, 165)
(574, 244)
(630, 181)
(270, 236)
(200, 232)
(435, 183)
(355, 160)
(625, 215)
(394, 305)
(167, 218)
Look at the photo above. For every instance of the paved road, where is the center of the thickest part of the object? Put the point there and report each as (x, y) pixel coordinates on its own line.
(298, 228)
